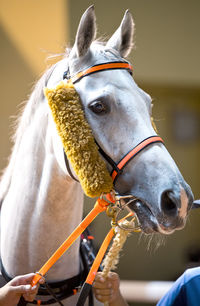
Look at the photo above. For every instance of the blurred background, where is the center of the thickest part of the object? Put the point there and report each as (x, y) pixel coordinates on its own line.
(166, 65)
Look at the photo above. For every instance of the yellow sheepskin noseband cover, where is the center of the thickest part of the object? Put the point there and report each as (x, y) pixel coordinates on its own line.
(78, 140)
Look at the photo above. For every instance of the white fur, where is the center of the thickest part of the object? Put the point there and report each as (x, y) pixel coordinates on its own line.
(42, 204)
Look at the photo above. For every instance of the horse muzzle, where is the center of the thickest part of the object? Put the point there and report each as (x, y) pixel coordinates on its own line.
(167, 217)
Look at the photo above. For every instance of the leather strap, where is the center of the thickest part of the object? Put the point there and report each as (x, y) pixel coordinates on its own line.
(131, 154)
(96, 68)
(68, 167)
(118, 167)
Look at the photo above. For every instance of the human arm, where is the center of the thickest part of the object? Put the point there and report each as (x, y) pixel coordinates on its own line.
(185, 290)
(11, 293)
(107, 290)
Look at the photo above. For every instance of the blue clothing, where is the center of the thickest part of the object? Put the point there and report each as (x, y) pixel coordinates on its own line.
(185, 291)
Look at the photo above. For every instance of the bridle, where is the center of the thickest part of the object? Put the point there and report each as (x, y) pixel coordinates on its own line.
(117, 168)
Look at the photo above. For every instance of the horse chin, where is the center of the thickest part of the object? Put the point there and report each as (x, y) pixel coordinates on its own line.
(146, 219)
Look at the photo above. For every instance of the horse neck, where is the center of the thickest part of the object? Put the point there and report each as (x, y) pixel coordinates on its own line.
(41, 205)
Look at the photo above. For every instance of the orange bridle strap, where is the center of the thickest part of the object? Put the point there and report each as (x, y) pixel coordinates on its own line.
(96, 68)
(101, 252)
(131, 154)
(96, 263)
(99, 207)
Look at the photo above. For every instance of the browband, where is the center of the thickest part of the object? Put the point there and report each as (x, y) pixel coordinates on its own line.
(96, 68)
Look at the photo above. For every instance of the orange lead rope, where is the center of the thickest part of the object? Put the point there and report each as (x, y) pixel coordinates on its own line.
(99, 257)
(87, 286)
(95, 266)
(99, 207)
(101, 252)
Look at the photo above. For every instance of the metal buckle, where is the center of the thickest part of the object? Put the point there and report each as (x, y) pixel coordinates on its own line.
(133, 225)
(114, 209)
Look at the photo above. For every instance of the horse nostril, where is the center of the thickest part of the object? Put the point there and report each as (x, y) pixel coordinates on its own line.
(168, 203)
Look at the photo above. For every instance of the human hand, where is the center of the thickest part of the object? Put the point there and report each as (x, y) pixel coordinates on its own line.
(19, 286)
(107, 290)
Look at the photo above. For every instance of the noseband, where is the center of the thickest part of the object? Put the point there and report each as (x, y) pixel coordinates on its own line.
(117, 168)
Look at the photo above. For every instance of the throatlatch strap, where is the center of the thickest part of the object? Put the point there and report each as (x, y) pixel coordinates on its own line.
(68, 167)
(108, 159)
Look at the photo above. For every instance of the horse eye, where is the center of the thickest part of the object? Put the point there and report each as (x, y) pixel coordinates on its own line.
(98, 107)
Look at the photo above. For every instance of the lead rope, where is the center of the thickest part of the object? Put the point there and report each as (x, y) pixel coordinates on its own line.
(87, 286)
(112, 258)
(120, 229)
(99, 207)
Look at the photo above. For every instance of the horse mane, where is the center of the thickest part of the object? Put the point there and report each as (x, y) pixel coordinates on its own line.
(20, 125)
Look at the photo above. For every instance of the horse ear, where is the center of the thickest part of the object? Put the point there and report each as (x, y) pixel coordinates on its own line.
(122, 39)
(86, 32)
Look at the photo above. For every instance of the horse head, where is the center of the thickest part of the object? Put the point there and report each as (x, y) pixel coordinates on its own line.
(119, 114)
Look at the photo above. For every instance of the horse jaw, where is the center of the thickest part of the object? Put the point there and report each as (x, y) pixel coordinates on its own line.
(162, 204)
